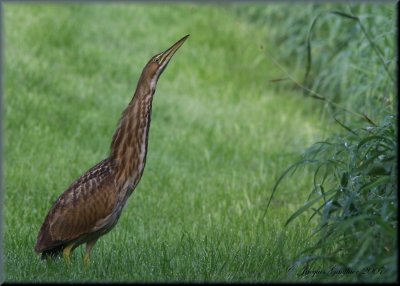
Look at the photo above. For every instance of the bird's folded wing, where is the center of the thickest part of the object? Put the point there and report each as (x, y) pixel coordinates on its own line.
(78, 210)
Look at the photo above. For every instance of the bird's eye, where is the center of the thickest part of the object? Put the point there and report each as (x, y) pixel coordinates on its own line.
(157, 59)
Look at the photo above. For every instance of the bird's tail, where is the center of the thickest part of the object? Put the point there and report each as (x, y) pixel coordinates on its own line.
(52, 253)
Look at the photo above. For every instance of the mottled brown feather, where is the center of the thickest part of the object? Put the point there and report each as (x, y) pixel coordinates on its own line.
(74, 214)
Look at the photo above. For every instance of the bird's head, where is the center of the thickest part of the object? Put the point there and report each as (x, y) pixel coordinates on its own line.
(159, 62)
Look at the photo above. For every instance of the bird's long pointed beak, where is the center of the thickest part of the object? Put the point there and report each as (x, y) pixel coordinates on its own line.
(167, 55)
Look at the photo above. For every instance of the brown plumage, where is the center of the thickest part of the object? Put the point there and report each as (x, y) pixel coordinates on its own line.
(91, 206)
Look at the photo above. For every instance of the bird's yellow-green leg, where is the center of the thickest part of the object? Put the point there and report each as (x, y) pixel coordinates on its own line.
(86, 257)
(67, 253)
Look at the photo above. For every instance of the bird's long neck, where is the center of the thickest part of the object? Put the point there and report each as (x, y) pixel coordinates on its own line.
(129, 144)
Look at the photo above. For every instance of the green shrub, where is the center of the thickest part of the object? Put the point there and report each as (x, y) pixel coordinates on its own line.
(345, 56)
(344, 52)
(354, 188)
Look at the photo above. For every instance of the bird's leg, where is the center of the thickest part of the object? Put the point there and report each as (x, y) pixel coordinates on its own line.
(67, 253)
(86, 257)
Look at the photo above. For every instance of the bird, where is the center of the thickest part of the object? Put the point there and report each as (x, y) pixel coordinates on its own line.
(92, 205)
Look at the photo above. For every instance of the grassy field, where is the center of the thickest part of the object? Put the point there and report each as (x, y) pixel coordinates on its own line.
(221, 135)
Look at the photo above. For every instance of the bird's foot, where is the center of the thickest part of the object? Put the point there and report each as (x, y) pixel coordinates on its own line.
(86, 260)
(67, 255)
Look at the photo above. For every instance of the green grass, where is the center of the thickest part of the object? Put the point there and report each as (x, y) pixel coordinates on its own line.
(354, 201)
(345, 52)
(220, 137)
(346, 55)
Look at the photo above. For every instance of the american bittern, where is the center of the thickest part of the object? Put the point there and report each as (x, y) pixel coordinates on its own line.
(91, 206)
